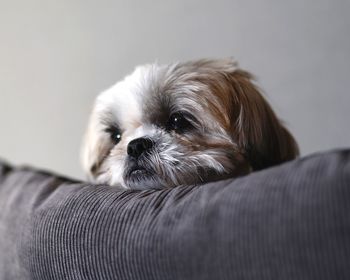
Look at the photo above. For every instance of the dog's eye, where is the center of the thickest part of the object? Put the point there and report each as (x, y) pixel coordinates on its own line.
(178, 122)
(116, 134)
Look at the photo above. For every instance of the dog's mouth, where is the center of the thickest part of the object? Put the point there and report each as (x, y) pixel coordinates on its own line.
(139, 177)
(137, 171)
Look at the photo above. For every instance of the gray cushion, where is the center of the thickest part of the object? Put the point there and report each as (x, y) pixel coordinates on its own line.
(287, 222)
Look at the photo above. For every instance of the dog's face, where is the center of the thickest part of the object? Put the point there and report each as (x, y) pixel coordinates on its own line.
(182, 124)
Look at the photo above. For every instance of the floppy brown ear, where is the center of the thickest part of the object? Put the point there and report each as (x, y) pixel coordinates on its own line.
(259, 133)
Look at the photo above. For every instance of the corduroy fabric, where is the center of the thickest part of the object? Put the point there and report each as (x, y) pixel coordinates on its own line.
(287, 222)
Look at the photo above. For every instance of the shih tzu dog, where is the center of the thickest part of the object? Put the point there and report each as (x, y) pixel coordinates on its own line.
(183, 124)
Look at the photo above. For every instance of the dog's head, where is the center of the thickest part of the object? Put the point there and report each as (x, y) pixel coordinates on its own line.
(182, 124)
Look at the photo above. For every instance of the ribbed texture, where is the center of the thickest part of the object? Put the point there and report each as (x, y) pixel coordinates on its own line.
(287, 222)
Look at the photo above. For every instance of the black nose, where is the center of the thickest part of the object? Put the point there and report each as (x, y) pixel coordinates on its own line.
(138, 146)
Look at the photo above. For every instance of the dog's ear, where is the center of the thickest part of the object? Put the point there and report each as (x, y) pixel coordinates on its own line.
(96, 146)
(257, 130)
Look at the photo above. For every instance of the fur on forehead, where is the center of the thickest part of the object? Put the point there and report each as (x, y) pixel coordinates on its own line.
(152, 92)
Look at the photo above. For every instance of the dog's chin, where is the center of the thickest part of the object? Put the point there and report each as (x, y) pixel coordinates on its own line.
(137, 177)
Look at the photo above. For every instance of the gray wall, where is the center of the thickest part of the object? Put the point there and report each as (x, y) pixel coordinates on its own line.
(55, 56)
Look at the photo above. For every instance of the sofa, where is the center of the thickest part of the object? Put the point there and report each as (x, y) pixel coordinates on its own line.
(291, 221)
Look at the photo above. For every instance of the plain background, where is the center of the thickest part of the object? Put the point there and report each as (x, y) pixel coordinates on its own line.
(56, 56)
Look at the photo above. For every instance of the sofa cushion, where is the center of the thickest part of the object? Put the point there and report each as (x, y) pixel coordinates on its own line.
(287, 222)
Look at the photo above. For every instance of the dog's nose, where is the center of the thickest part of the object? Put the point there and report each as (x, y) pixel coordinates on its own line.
(138, 146)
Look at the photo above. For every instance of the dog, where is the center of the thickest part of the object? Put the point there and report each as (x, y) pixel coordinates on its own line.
(183, 124)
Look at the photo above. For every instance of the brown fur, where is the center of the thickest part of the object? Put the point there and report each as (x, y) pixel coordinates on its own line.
(252, 122)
